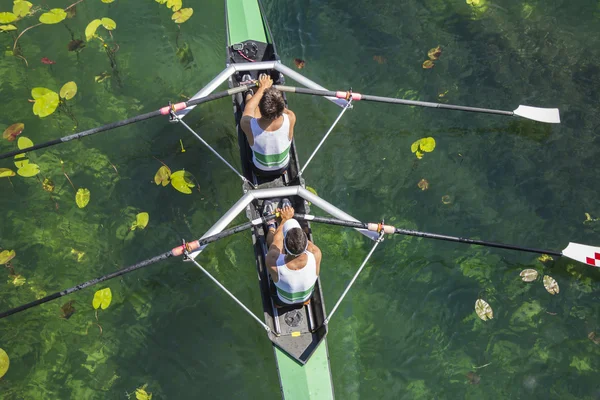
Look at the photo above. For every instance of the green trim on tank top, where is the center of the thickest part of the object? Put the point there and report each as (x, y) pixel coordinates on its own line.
(272, 160)
(294, 296)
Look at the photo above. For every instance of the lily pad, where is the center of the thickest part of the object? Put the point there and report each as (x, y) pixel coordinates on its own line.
(79, 254)
(8, 28)
(594, 338)
(428, 64)
(434, 53)
(29, 170)
(7, 17)
(551, 285)
(4, 362)
(21, 160)
(427, 144)
(141, 221)
(182, 15)
(162, 176)
(68, 90)
(423, 184)
(13, 131)
(24, 143)
(174, 5)
(67, 309)
(446, 199)
(108, 24)
(182, 181)
(483, 310)
(108, 1)
(82, 198)
(422, 146)
(38, 92)
(90, 29)
(46, 104)
(6, 173)
(545, 258)
(141, 394)
(53, 16)
(102, 299)
(529, 275)
(300, 63)
(6, 256)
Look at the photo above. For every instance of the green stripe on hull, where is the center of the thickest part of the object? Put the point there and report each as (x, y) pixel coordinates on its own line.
(311, 381)
(245, 21)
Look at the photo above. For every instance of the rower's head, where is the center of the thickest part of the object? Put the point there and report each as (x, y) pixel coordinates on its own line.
(271, 105)
(295, 241)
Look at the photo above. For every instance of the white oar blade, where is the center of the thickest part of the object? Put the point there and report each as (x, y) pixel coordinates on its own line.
(589, 255)
(549, 115)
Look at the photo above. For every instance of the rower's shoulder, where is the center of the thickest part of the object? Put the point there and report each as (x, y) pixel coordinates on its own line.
(290, 114)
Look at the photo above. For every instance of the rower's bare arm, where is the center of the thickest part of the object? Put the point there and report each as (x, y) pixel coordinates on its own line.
(317, 253)
(292, 118)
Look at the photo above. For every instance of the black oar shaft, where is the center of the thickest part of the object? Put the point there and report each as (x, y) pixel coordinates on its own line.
(373, 227)
(142, 264)
(128, 121)
(86, 284)
(391, 100)
(475, 241)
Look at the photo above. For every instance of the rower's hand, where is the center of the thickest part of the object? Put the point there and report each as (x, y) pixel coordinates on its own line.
(286, 213)
(265, 81)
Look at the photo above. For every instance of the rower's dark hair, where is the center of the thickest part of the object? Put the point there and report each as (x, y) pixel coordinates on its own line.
(271, 105)
(296, 241)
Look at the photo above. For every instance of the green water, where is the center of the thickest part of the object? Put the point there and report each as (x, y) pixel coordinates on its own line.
(408, 328)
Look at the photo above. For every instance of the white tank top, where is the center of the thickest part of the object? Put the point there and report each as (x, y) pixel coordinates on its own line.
(296, 286)
(271, 149)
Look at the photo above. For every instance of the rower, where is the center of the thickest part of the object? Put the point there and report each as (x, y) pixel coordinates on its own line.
(293, 261)
(269, 128)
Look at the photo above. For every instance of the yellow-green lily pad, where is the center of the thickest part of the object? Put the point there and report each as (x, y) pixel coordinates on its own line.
(182, 181)
(174, 5)
(90, 29)
(53, 16)
(4, 362)
(24, 143)
(6, 173)
(21, 160)
(46, 104)
(102, 299)
(6, 256)
(21, 8)
(141, 221)
(68, 90)
(29, 170)
(182, 15)
(108, 24)
(7, 28)
(7, 17)
(82, 198)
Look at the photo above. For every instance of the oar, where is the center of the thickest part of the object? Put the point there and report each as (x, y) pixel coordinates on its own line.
(161, 111)
(177, 251)
(585, 254)
(549, 115)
